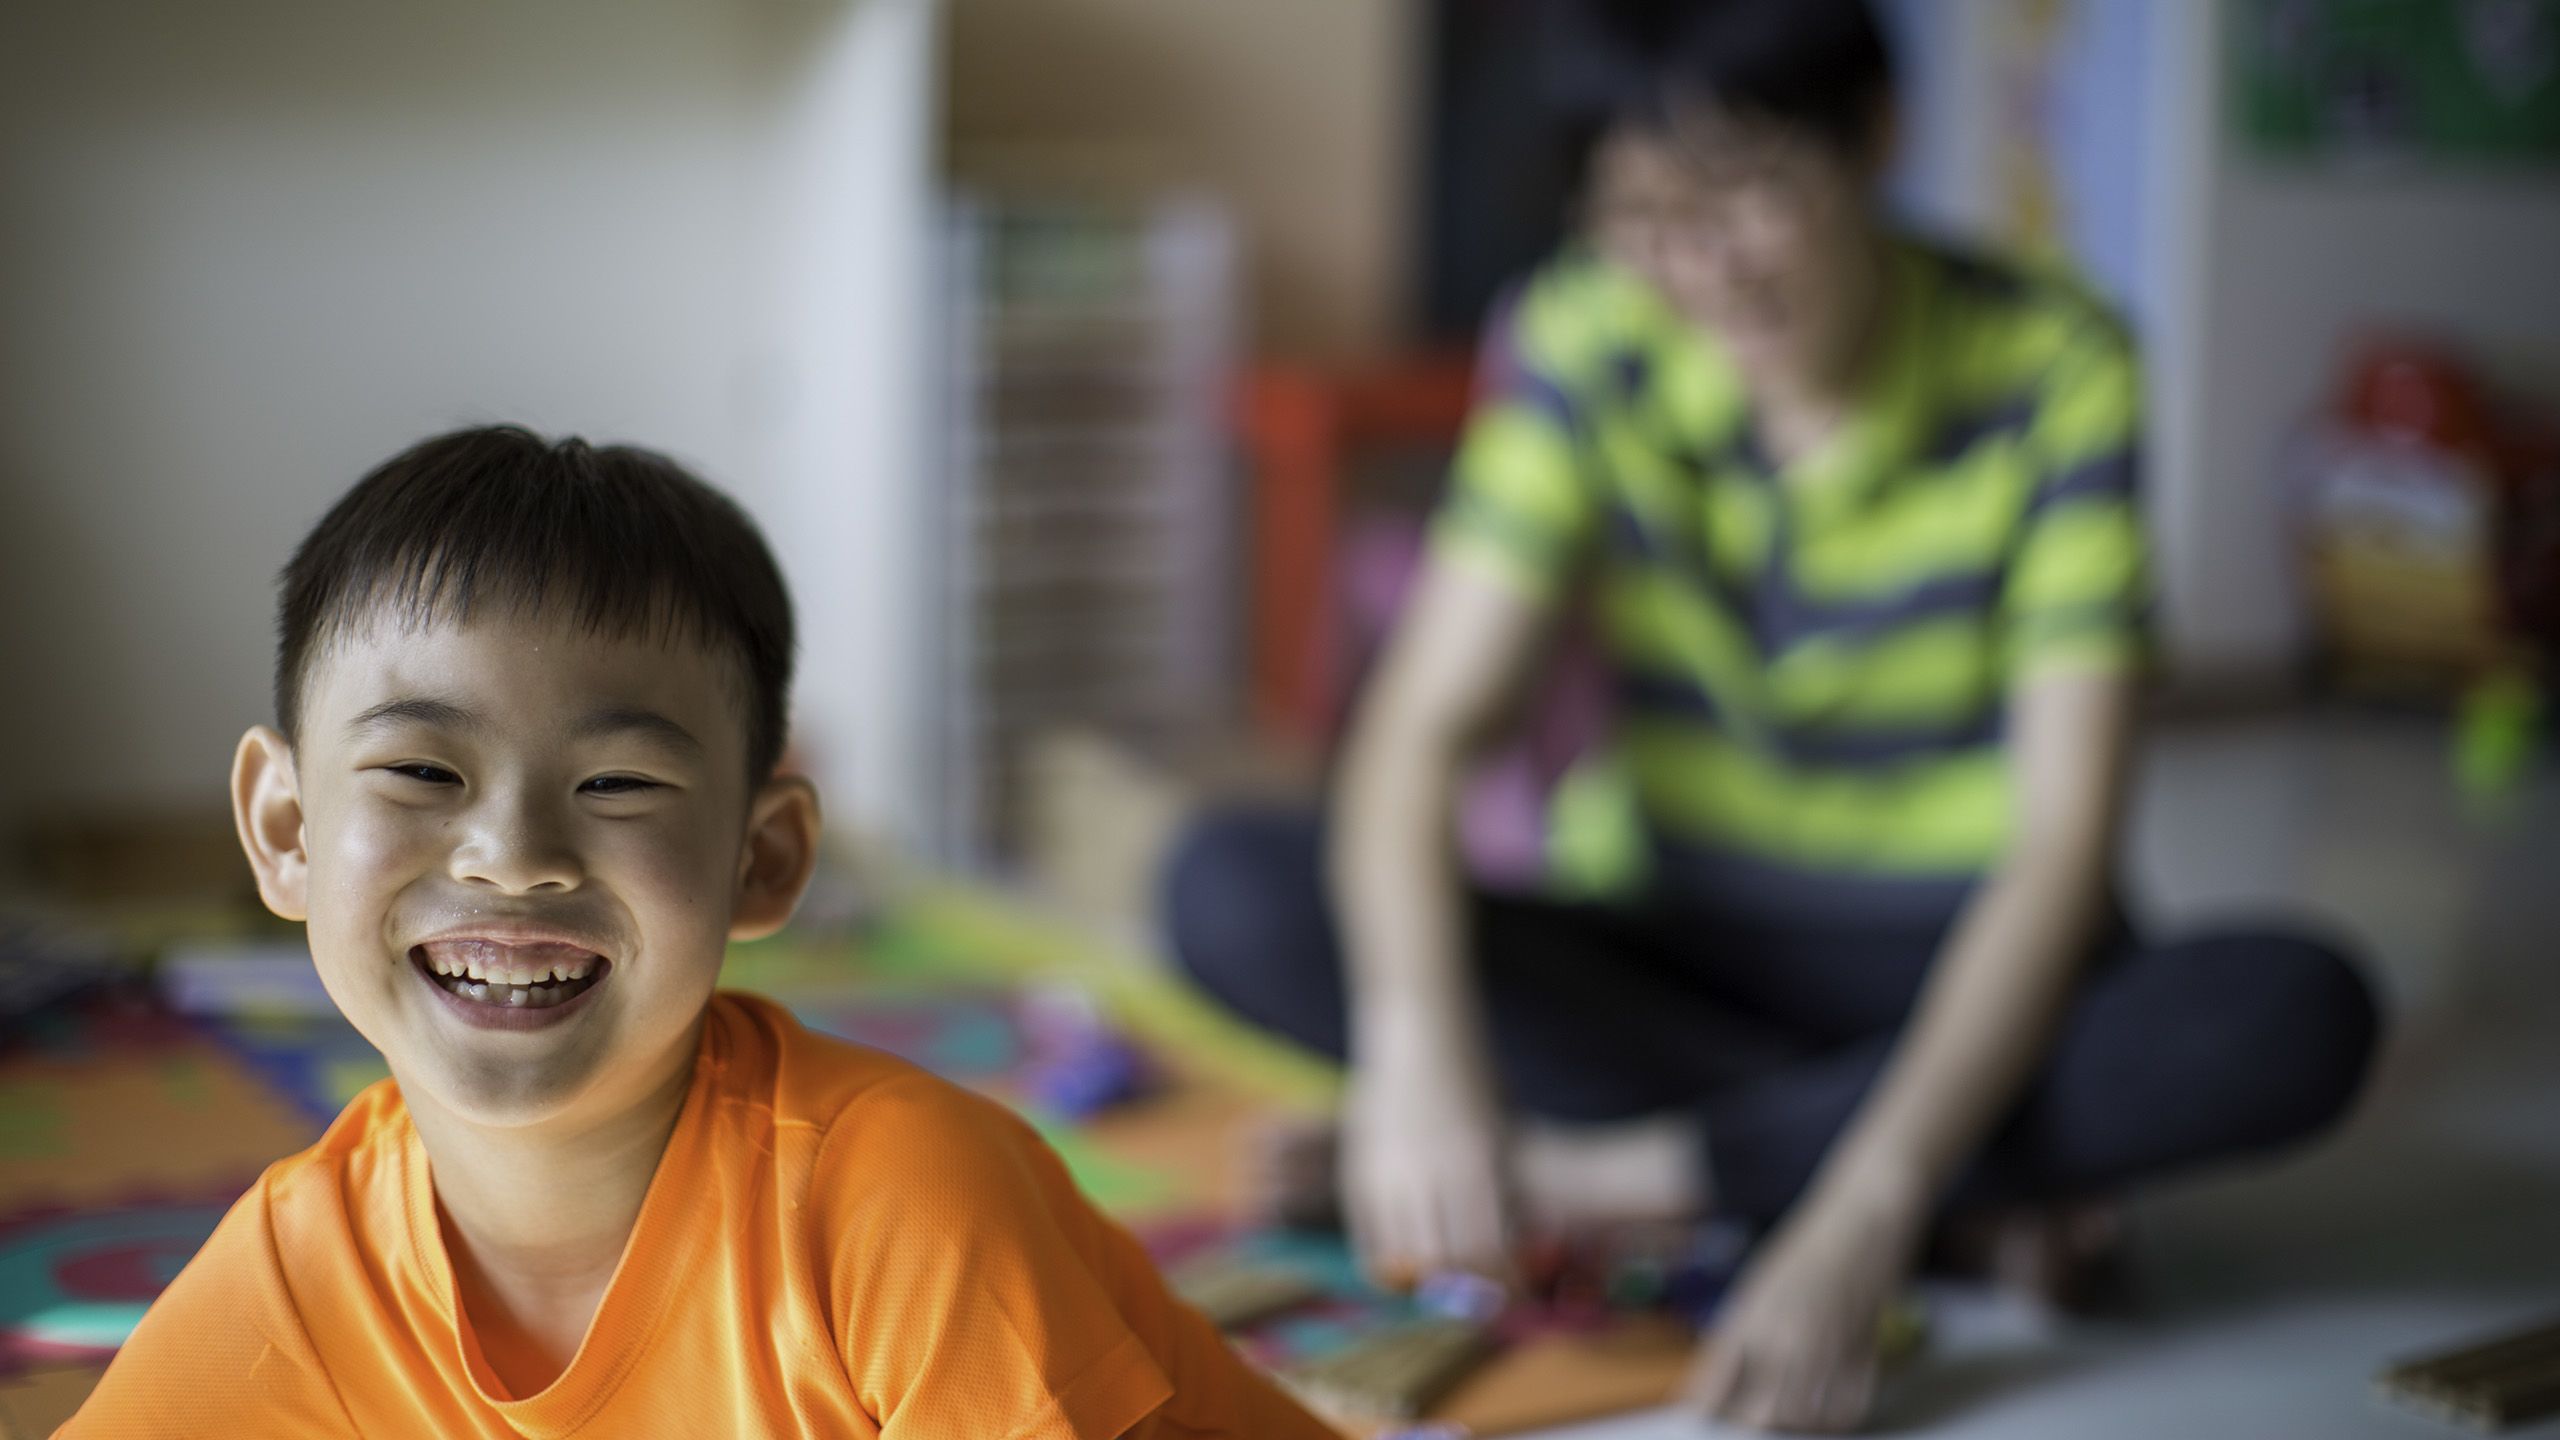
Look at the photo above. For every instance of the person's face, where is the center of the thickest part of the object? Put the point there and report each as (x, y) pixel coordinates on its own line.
(521, 849)
(1760, 235)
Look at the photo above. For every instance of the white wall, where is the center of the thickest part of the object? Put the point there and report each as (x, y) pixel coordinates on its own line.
(249, 249)
(2273, 270)
(853, 298)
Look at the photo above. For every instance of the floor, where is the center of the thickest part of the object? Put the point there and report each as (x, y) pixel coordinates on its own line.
(2269, 1298)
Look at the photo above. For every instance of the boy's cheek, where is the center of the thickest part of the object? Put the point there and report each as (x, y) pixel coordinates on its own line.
(358, 853)
(683, 876)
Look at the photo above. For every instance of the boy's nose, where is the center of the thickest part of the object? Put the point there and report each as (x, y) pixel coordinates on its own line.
(518, 854)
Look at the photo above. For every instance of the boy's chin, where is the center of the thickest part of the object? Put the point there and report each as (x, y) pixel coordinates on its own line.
(495, 1094)
(500, 1082)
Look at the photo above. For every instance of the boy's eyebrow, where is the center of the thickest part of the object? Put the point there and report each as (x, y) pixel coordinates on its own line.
(449, 715)
(416, 710)
(626, 719)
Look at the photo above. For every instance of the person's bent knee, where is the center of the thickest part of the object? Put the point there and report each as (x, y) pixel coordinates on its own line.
(2322, 1024)
(2343, 1014)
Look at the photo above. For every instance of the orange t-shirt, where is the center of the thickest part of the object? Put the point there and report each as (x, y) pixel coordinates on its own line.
(835, 1243)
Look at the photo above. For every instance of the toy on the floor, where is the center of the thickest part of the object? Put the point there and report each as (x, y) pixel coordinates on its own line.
(1679, 1269)
(1235, 1293)
(1298, 1304)
(1397, 1374)
(1461, 1295)
(2428, 512)
(1082, 1065)
(2490, 1385)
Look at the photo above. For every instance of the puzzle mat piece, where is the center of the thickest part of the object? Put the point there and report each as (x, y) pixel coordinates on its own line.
(819, 963)
(1544, 1378)
(1115, 1184)
(99, 1127)
(318, 1062)
(962, 929)
(949, 933)
(964, 1034)
(98, 1124)
(73, 1284)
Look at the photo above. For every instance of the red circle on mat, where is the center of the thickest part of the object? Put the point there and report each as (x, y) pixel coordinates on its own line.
(131, 1270)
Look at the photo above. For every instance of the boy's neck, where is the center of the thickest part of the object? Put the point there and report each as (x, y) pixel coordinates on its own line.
(535, 1220)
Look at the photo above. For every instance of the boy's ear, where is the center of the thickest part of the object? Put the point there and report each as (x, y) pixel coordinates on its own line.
(266, 803)
(782, 853)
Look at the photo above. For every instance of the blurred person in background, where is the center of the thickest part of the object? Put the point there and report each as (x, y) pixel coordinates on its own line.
(1855, 517)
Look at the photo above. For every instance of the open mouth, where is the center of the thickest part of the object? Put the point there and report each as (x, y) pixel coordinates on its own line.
(510, 976)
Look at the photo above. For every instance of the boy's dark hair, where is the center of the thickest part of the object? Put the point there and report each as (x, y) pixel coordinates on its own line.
(1820, 67)
(627, 539)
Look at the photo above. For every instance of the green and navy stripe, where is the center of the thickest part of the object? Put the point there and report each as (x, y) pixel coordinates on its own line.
(1813, 666)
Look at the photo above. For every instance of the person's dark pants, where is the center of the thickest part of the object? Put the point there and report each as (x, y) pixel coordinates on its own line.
(2171, 1054)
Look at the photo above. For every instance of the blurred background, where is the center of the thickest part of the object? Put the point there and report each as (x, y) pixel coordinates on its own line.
(1088, 363)
(993, 309)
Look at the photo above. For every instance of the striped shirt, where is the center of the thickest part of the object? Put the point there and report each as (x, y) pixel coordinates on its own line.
(1812, 660)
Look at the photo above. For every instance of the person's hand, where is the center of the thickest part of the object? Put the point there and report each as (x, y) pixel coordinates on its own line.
(1424, 1185)
(1796, 1346)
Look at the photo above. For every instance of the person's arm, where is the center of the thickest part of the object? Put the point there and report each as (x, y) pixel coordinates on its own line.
(1423, 1176)
(1987, 1015)
(1796, 1345)
(1796, 1348)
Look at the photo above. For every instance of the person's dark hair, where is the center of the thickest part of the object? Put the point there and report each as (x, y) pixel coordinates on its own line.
(1820, 67)
(624, 539)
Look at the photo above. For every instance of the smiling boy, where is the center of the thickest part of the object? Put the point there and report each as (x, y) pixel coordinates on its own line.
(522, 789)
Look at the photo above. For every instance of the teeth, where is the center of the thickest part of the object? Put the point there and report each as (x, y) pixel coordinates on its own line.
(516, 997)
(493, 963)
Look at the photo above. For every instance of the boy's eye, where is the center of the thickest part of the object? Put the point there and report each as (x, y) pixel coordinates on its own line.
(425, 774)
(618, 785)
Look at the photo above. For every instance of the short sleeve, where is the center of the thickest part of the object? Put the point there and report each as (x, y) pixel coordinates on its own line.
(2077, 596)
(221, 1352)
(978, 1293)
(966, 1304)
(1519, 509)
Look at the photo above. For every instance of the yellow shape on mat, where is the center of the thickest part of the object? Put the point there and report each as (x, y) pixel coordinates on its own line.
(976, 928)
